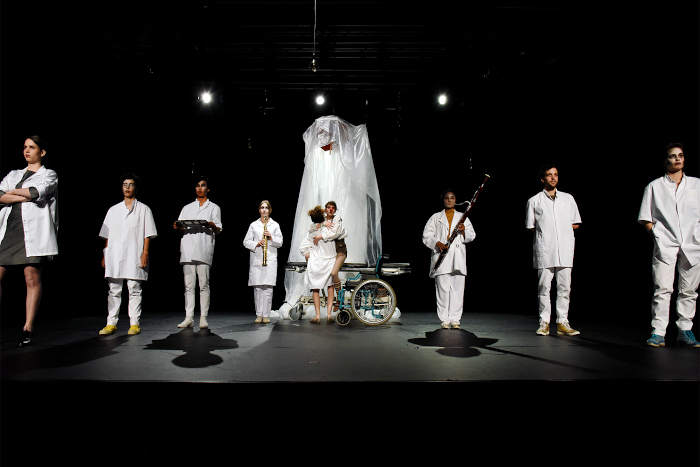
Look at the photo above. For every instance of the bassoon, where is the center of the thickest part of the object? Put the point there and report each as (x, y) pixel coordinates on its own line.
(455, 232)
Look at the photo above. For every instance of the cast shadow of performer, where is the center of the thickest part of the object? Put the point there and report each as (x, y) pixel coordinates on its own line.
(61, 356)
(196, 345)
(454, 343)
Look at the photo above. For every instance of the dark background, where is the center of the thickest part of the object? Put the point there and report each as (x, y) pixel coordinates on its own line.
(620, 83)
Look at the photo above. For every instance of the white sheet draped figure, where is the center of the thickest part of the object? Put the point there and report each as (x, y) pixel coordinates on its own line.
(345, 174)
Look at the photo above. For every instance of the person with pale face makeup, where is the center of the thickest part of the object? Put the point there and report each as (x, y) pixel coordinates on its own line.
(197, 250)
(263, 277)
(450, 277)
(29, 225)
(552, 216)
(127, 229)
(670, 213)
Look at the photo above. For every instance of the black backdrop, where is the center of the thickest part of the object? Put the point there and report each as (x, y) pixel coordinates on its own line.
(602, 118)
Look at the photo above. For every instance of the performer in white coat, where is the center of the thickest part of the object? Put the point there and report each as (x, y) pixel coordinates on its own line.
(263, 278)
(197, 250)
(127, 229)
(29, 224)
(450, 277)
(553, 216)
(321, 256)
(670, 212)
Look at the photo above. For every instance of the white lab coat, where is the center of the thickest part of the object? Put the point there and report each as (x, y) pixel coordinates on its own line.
(126, 231)
(257, 273)
(675, 214)
(437, 229)
(197, 243)
(40, 216)
(552, 219)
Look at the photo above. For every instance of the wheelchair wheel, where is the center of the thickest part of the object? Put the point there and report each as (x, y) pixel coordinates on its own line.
(373, 301)
(295, 312)
(342, 318)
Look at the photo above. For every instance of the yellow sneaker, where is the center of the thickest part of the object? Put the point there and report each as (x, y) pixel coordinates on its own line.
(107, 330)
(134, 329)
(565, 329)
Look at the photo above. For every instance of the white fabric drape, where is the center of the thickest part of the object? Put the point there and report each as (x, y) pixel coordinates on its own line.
(345, 174)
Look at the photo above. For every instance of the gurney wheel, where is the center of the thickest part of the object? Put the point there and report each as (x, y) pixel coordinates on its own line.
(295, 312)
(342, 318)
(373, 301)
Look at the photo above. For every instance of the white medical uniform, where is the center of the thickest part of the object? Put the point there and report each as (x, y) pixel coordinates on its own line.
(40, 216)
(553, 248)
(262, 278)
(450, 276)
(126, 231)
(675, 213)
(197, 253)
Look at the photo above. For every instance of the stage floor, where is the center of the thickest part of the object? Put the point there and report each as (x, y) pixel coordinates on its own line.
(489, 347)
(175, 396)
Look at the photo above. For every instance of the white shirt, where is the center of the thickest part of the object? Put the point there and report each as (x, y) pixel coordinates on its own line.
(552, 219)
(198, 242)
(437, 229)
(675, 213)
(257, 273)
(40, 216)
(126, 231)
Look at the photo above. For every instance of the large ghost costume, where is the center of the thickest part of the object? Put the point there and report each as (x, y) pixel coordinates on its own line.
(343, 173)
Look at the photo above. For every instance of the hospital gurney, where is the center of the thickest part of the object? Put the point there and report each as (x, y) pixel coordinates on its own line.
(365, 296)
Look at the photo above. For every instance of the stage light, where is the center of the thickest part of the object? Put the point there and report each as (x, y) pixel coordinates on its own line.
(206, 97)
(442, 99)
(313, 65)
(320, 100)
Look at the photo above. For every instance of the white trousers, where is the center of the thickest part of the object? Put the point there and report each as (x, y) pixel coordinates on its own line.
(688, 280)
(263, 300)
(544, 285)
(449, 297)
(114, 300)
(191, 272)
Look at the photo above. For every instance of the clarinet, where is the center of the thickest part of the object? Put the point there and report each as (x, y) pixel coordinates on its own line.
(264, 261)
(455, 232)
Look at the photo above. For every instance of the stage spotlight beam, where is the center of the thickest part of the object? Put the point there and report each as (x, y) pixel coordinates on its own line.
(206, 97)
(320, 100)
(442, 99)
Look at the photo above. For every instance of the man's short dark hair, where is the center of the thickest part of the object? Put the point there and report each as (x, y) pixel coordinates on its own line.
(200, 178)
(131, 176)
(671, 146)
(545, 168)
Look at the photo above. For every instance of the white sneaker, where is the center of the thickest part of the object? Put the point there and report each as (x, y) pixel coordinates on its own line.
(454, 325)
(203, 322)
(543, 329)
(445, 325)
(188, 323)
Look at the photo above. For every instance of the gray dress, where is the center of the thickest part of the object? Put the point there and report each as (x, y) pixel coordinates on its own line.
(12, 250)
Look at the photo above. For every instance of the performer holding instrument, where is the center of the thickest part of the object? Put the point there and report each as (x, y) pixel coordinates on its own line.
(263, 239)
(446, 233)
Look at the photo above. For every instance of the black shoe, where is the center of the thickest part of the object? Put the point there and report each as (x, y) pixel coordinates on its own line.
(26, 339)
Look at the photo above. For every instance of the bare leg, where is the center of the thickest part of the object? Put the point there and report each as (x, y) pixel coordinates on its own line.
(32, 277)
(317, 303)
(329, 300)
(339, 261)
